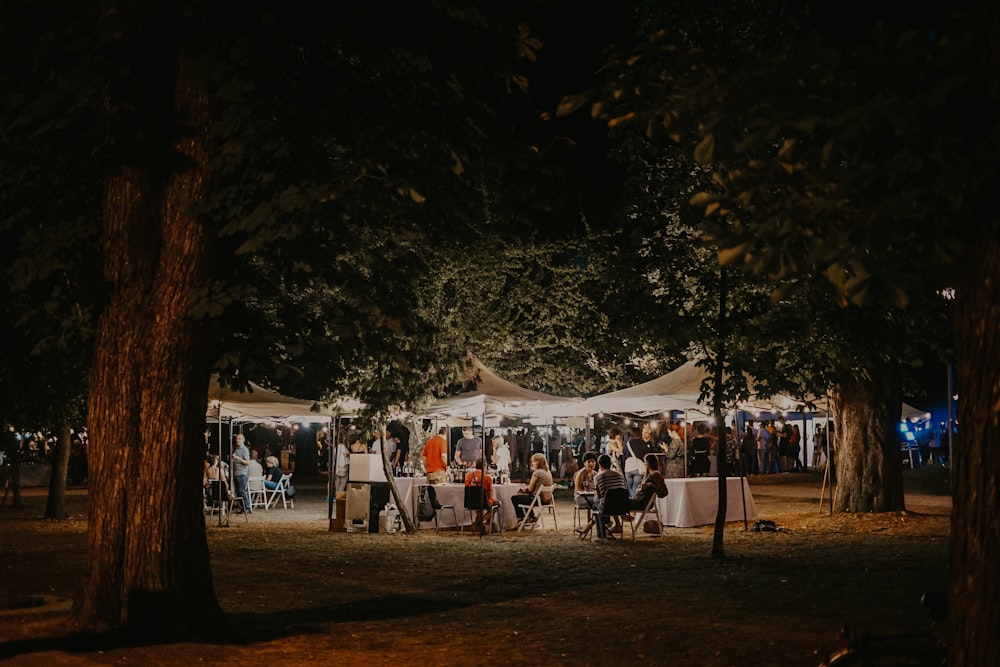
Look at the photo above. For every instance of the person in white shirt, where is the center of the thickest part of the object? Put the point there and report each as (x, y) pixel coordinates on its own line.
(501, 454)
(255, 469)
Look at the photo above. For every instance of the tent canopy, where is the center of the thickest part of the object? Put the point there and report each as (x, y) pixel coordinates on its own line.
(495, 397)
(680, 389)
(260, 404)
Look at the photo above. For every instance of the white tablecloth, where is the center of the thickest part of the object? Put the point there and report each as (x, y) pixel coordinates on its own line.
(695, 501)
(454, 494)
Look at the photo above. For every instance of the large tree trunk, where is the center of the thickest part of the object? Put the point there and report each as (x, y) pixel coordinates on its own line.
(974, 606)
(866, 445)
(148, 384)
(55, 504)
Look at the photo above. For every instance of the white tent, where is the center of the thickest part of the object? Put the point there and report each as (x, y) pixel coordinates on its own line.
(494, 397)
(260, 404)
(679, 389)
(911, 413)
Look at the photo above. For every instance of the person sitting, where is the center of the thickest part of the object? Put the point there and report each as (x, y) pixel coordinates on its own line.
(604, 481)
(213, 473)
(651, 483)
(273, 473)
(475, 477)
(540, 476)
(585, 490)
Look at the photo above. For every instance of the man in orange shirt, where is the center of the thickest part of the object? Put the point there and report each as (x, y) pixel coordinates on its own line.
(436, 457)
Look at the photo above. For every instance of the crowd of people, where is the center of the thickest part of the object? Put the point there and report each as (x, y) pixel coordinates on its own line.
(245, 464)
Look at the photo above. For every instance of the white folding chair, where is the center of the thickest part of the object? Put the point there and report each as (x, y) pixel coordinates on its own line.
(650, 509)
(279, 491)
(257, 491)
(542, 507)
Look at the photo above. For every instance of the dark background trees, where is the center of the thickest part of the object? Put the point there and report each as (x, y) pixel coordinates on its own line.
(866, 158)
(283, 189)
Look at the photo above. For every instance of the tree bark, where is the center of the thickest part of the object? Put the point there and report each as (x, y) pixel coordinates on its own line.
(974, 600)
(866, 445)
(55, 504)
(148, 382)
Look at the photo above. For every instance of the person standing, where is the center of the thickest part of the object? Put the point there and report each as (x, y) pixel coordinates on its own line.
(391, 446)
(501, 457)
(341, 467)
(764, 448)
(469, 449)
(748, 451)
(673, 448)
(701, 447)
(635, 452)
(241, 467)
(435, 457)
(795, 449)
(357, 446)
(615, 447)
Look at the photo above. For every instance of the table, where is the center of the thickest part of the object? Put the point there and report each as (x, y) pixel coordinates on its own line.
(695, 501)
(407, 487)
(454, 494)
(35, 474)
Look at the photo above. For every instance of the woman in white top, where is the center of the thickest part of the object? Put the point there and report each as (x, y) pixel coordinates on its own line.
(501, 454)
(342, 466)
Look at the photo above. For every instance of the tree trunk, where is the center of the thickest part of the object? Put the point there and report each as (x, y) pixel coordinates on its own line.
(55, 504)
(866, 445)
(148, 382)
(974, 605)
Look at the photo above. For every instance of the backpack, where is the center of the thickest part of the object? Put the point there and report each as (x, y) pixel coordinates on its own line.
(764, 526)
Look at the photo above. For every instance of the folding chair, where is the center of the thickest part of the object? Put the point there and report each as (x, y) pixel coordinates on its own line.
(475, 501)
(279, 491)
(650, 509)
(537, 504)
(217, 500)
(257, 491)
(615, 504)
(432, 494)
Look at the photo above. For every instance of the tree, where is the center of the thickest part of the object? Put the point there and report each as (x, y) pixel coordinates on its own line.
(871, 164)
(247, 227)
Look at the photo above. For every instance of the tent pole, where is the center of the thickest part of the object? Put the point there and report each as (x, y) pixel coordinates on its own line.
(331, 454)
(738, 444)
(687, 433)
(219, 470)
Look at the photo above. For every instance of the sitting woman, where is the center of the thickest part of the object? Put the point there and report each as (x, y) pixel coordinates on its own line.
(212, 473)
(540, 476)
(651, 483)
(272, 474)
(584, 485)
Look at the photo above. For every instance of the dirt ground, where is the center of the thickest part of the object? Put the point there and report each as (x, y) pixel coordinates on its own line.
(297, 593)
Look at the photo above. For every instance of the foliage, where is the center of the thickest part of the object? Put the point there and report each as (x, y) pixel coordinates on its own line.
(49, 192)
(815, 148)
